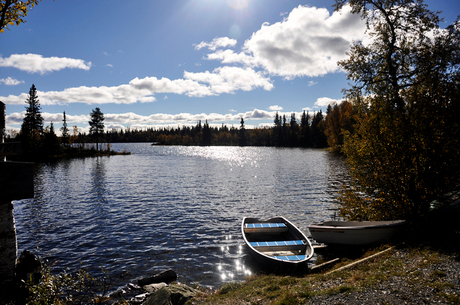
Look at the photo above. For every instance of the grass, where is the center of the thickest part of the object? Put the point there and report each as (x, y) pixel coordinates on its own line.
(273, 289)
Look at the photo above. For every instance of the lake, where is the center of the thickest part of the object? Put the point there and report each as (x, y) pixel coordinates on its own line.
(171, 207)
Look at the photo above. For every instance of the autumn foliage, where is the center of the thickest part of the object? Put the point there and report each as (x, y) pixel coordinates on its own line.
(13, 12)
(404, 151)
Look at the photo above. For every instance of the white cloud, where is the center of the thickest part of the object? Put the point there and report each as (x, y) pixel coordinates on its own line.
(229, 79)
(221, 80)
(16, 118)
(275, 108)
(34, 63)
(131, 118)
(219, 42)
(308, 42)
(158, 120)
(10, 81)
(323, 102)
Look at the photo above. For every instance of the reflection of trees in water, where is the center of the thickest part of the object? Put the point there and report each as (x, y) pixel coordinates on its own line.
(98, 187)
(337, 178)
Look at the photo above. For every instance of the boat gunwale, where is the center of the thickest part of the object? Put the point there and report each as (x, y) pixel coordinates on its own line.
(290, 226)
(359, 225)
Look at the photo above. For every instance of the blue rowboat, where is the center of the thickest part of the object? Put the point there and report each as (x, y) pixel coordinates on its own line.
(276, 242)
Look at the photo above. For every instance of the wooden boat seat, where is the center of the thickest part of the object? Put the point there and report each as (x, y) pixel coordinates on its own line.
(265, 246)
(268, 228)
(291, 257)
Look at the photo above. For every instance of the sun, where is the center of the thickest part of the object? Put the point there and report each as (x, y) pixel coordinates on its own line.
(238, 4)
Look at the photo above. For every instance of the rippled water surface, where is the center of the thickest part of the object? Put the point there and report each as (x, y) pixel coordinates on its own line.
(171, 207)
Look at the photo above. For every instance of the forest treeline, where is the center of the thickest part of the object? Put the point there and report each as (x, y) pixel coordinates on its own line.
(308, 131)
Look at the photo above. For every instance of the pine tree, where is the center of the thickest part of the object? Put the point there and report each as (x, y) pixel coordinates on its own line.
(317, 130)
(96, 125)
(293, 131)
(65, 131)
(33, 121)
(278, 133)
(242, 141)
(305, 127)
(50, 142)
(207, 136)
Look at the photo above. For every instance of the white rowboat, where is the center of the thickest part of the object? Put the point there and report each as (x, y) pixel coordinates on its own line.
(354, 232)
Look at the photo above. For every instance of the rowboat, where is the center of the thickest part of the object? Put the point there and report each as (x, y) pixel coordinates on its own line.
(354, 232)
(276, 242)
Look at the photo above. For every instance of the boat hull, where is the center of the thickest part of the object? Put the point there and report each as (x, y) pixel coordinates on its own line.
(278, 249)
(354, 232)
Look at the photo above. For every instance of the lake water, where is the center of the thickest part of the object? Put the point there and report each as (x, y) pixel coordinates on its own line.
(171, 207)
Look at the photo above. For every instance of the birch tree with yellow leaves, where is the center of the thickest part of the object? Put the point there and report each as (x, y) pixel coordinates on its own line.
(13, 12)
(405, 149)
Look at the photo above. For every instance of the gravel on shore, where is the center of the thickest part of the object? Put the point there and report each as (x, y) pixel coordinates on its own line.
(416, 273)
(420, 280)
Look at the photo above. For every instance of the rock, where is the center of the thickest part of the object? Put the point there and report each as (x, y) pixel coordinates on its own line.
(154, 287)
(167, 276)
(28, 264)
(171, 295)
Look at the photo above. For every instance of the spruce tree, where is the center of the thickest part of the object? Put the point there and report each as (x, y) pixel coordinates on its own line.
(96, 125)
(293, 131)
(207, 136)
(65, 131)
(242, 141)
(33, 121)
(50, 142)
(305, 127)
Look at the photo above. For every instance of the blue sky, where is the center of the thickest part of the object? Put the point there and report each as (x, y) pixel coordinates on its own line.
(170, 63)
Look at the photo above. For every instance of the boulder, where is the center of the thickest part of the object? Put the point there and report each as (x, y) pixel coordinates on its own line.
(154, 287)
(167, 276)
(28, 264)
(171, 295)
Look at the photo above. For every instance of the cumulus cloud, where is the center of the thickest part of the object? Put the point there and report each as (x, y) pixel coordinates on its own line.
(34, 63)
(131, 118)
(220, 80)
(16, 118)
(308, 42)
(158, 120)
(275, 108)
(218, 42)
(325, 101)
(10, 81)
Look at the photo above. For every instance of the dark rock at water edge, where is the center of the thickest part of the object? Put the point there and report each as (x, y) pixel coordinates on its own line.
(171, 295)
(167, 276)
(28, 264)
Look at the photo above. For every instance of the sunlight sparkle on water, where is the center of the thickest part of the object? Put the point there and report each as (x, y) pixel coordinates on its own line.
(235, 157)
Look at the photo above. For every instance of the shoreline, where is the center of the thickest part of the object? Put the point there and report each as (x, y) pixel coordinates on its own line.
(405, 274)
